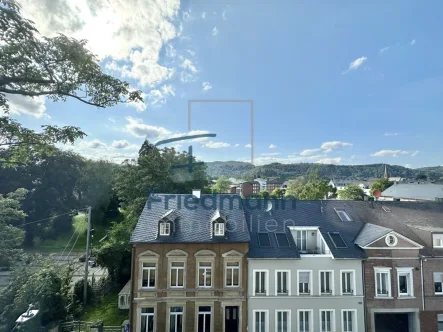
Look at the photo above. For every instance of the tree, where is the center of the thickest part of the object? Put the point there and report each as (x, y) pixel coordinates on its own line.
(278, 193)
(351, 193)
(313, 188)
(332, 192)
(421, 176)
(58, 67)
(222, 185)
(381, 184)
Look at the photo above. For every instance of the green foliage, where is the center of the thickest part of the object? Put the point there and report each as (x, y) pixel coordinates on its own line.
(80, 224)
(217, 169)
(351, 193)
(58, 67)
(312, 188)
(77, 294)
(278, 193)
(381, 184)
(107, 311)
(222, 185)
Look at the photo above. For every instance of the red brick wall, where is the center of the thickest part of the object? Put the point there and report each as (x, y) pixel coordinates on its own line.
(428, 321)
(432, 302)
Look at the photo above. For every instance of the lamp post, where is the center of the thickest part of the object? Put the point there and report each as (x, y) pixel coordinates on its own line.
(88, 235)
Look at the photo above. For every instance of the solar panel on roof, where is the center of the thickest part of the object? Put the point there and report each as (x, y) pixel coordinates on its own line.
(337, 240)
(282, 239)
(264, 240)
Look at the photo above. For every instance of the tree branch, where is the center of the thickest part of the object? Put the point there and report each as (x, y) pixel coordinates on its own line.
(4, 80)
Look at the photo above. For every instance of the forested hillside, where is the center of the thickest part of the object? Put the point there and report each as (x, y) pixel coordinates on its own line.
(287, 171)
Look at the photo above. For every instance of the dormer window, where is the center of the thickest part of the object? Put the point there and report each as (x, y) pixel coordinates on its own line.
(219, 229)
(437, 240)
(342, 214)
(165, 229)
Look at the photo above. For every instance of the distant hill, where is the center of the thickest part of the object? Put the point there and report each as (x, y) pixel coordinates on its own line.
(287, 171)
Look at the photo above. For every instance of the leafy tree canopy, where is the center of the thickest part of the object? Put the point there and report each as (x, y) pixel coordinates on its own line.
(381, 184)
(222, 185)
(351, 193)
(312, 188)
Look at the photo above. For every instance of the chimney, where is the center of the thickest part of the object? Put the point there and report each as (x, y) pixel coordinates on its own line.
(196, 193)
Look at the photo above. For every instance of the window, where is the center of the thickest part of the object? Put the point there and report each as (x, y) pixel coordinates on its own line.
(282, 279)
(437, 240)
(232, 274)
(347, 282)
(177, 274)
(165, 229)
(260, 321)
(282, 321)
(147, 320)
(219, 229)
(260, 282)
(148, 275)
(304, 282)
(304, 321)
(176, 319)
(438, 283)
(264, 240)
(326, 282)
(405, 282)
(349, 320)
(391, 240)
(282, 240)
(337, 240)
(342, 215)
(301, 240)
(440, 322)
(204, 274)
(382, 282)
(326, 320)
(204, 319)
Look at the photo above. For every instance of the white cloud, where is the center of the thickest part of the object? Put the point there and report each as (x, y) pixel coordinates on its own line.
(408, 165)
(412, 42)
(356, 64)
(120, 144)
(216, 145)
(29, 106)
(224, 15)
(206, 86)
(236, 145)
(137, 128)
(215, 31)
(192, 53)
(335, 160)
(329, 146)
(413, 154)
(203, 15)
(248, 146)
(390, 153)
(392, 134)
(130, 32)
(139, 106)
(94, 144)
(271, 154)
(171, 52)
(186, 77)
(159, 96)
(112, 120)
(272, 146)
(187, 64)
(308, 152)
(384, 49)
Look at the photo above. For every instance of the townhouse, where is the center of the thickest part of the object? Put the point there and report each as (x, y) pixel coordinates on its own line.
(189, 267)
(305, 272)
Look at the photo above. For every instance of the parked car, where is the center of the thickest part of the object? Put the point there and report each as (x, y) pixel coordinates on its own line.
(92, 261)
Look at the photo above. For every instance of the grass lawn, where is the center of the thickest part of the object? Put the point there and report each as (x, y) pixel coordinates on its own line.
(107, 311)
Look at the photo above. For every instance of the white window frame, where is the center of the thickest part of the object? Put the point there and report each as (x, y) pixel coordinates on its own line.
(311, 320)
(168, 316)
(439, 319)
(387, 240)
(383, 270)
(311, 290)
(149, 269)
(331, 282)
(254, 323)
(141, 315)
(288, 282)
(205, 313)
(441, 282)
(345, 214)
(266, 272)
(353, 285)
(147, 257)
(204, 270)
(408, 271)
(439, 237)
(219, 228)
(354, 320)
(232, 268)
(177, 269)
(332, 311)
(302, 231)
(165, 228)
(276, 319)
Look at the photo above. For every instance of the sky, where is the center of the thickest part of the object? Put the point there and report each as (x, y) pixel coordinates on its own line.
(342, 82)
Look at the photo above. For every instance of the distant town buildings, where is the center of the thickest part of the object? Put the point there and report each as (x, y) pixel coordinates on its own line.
(413, 192)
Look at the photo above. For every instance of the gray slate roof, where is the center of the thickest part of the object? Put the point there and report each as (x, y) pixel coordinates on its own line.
(306, 213)
(191, 225)
(419, 191)
(370, 233)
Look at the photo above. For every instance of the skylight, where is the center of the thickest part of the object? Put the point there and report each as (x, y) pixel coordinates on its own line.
(264, 240)
(337, 240)
(343, 215)
(282, 239)
(386, 209)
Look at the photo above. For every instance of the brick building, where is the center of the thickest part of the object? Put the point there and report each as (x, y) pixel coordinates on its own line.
(189, 269)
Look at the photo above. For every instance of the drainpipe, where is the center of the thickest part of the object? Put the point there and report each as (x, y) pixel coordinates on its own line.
(132, 289)
(422, 284)
(364, 294)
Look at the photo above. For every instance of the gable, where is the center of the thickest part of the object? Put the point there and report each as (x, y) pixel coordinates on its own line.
(400, 242)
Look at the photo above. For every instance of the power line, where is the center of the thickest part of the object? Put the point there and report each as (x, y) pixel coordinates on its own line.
(67, 256)
(67, 244)
(36, 221)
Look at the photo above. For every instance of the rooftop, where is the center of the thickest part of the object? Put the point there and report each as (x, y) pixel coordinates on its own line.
(418, 191)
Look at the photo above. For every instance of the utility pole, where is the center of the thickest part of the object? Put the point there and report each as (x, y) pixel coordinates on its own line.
(88, 235)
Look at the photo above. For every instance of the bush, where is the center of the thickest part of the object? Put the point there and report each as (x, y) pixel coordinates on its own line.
(78, 293)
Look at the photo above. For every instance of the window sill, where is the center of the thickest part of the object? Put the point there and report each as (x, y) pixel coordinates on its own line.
(406, 297)
(383, 298)
(438, 294)
(282, 294)
(147, 289)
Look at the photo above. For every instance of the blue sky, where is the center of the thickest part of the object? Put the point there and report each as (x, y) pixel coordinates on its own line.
(344, 82)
